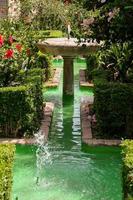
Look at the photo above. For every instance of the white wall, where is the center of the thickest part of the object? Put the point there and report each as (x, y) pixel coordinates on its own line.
(3, 8)
(9, 8)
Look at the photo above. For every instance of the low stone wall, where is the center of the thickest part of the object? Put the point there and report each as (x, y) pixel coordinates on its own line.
(55, 81)
(82, 79)
(46, 122)
(17, 141)
(86, 122)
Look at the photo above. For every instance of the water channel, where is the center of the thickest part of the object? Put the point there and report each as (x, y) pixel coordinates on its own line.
(77, 172)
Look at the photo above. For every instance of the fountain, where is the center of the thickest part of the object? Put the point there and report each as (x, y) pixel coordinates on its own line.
(77, 171)
(68, 48)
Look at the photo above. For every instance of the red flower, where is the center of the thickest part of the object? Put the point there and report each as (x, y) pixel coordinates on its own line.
(9, 54)
(19, 47)
(1, 40)
(10, 39)
(28, 52)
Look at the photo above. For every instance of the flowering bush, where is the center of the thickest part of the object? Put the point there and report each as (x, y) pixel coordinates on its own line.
(12, 57)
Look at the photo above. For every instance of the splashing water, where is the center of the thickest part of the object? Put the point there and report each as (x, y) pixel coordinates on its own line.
(43, 156)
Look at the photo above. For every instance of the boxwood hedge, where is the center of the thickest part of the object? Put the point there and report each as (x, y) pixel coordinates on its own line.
(114, 109)
(128, 168)
(6, 164)
(21, 107)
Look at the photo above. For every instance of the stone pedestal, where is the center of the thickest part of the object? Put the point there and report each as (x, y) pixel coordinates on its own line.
(68, 76)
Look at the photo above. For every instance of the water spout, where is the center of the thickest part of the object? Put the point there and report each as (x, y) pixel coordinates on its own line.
(43, 156)
(68, 31)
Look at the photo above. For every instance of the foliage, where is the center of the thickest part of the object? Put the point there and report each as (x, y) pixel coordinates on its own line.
(75, 16)
(6, 164)
(22, 53)
(44, 62)
(34, 58)
(49, 14)
(114, 23)
(25, 8)
(99, 75)
(127, 146)
(52, 14)
(92, 63)
(114, 109)
(18, 29)
(90, 4)
(12, 57)
(118, 61)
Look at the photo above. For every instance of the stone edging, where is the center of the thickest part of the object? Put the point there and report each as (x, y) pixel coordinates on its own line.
(46, 122)
(87, 136)
(82, 79)
(45, 126)
(55, 80)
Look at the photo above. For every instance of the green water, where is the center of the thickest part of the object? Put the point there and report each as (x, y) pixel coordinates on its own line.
(77, 172)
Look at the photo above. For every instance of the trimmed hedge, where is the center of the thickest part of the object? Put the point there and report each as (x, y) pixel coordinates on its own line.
(49, 34)
(43, 68)
(128, 168)
(114, 109)
(6, 164)
(16, 111)
(35, 79)
(44, 62)
(21, 107)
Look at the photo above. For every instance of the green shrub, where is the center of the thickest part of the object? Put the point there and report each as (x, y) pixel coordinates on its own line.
(21, 107)
(47, 34)
(6, 164)
(35, 72)
(41, 66)
(23, 76)
(128, 168)
(114, 109)
(16, 111)
(44, 62)
(36, 89)
(117, 60)
(99, 75)
(91, 62)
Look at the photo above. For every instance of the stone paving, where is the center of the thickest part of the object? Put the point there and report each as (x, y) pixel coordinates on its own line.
(82, 79)
(86, 121)
(54, 82)
(45, 127)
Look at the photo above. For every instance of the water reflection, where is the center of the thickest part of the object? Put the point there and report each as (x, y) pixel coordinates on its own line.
(68, 109)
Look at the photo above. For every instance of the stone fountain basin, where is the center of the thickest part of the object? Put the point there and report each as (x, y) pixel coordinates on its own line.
(65, 47)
